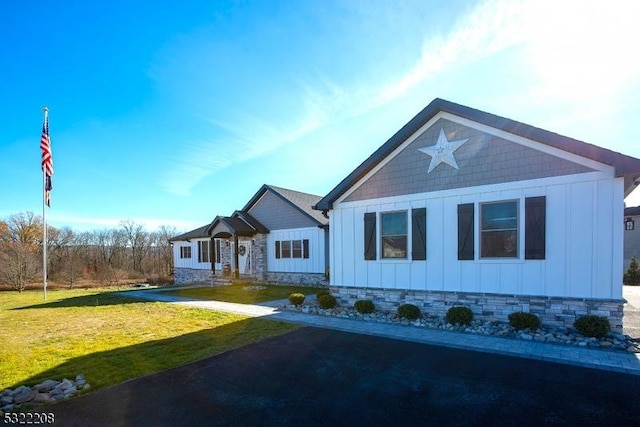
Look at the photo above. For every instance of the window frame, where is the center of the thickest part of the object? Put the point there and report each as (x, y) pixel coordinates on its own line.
(407, 235)
(482, 232)
(298, 249)
(204, 255)
(185, 252)
(291, 244)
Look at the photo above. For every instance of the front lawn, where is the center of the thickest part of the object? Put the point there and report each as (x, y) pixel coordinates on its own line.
(243, 293)
(110, 338)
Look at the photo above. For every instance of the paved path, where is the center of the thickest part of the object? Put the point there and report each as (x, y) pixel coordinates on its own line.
(565, 354)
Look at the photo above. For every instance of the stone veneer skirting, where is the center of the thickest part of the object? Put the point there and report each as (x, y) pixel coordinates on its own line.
(552, 311)
(303, 279)
(191, 275)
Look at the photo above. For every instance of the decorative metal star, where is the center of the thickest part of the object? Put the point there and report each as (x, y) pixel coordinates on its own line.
(442, 152)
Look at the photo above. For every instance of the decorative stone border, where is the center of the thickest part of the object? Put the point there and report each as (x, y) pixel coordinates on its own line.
(48, 391)
(545, 333)
(552, 311)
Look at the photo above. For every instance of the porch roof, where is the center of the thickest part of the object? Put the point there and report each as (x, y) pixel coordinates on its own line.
(226, 226)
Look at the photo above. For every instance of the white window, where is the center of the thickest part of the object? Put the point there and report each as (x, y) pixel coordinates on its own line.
(393, 234)
(499, 229)
(218, 249)
(292, 248)
(204, 251)
(185, 251)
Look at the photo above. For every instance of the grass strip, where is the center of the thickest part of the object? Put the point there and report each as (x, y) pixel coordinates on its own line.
(110, 338)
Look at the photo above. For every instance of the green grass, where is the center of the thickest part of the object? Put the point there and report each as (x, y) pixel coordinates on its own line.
(237, 293)
(110, 338)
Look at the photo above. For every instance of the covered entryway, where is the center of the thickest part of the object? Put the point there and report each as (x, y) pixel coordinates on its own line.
(237, 234)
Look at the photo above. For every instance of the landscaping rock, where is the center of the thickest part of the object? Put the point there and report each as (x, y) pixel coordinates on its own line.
(45, 392)
(41, 398)
(46, 386)
(25, 396)
(550, 334)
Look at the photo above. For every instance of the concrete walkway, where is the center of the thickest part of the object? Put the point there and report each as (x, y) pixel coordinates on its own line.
(558, 353)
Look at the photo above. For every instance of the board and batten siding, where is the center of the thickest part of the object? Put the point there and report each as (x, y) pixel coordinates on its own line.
(584, 241)
(316, 261)
(190, 262)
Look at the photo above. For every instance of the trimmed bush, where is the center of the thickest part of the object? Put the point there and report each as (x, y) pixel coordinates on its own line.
(409, 311)
(296, 298)
(459, 315)
(364, 306)
(521, 321)
(322, 292)
(592, 326)
(327, 301)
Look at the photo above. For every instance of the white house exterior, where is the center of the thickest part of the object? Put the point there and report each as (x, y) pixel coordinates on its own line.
(275, 238)
(462, 207)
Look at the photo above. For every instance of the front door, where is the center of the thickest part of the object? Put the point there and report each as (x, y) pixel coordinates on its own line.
(244, 249)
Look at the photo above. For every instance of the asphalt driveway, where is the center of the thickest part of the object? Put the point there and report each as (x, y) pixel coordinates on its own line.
(322, 377)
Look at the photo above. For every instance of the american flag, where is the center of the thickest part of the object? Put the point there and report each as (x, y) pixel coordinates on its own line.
(47, 160)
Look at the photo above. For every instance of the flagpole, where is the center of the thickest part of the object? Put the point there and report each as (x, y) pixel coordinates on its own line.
(44, 219)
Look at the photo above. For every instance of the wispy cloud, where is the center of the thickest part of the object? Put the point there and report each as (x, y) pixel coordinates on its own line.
(556, 43)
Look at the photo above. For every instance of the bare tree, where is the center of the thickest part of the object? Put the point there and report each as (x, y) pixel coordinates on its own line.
(70, 264)
(19, 265)
(165, 249)
(137, 240)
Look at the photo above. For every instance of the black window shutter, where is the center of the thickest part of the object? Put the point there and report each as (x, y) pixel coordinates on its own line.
(305, 248)
(535, 227)
(419, 234)
(465, 232)
(199, 251)
(370, 236)
(277, 249)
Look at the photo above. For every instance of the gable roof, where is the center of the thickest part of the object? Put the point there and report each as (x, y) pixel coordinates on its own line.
(303, 202)
(199, 232)
(231, 225)
(624, 166)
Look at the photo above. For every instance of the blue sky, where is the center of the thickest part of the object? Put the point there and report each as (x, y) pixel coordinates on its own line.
(169, 113)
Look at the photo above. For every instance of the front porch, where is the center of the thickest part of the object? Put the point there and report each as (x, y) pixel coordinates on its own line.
(238, 248)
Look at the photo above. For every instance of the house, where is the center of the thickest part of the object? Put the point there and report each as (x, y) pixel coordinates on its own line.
(462, 207)
(631, 235)
(276, 237)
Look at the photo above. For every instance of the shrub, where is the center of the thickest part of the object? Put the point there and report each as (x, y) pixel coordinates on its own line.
(521, 321)
(322, 292)
(327, 301)
(632, 276)
(409, 311)
(459, 315)
(296, 298)
(364, 306)
(592, 326)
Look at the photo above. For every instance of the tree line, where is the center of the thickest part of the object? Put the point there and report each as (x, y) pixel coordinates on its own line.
(108, 256)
